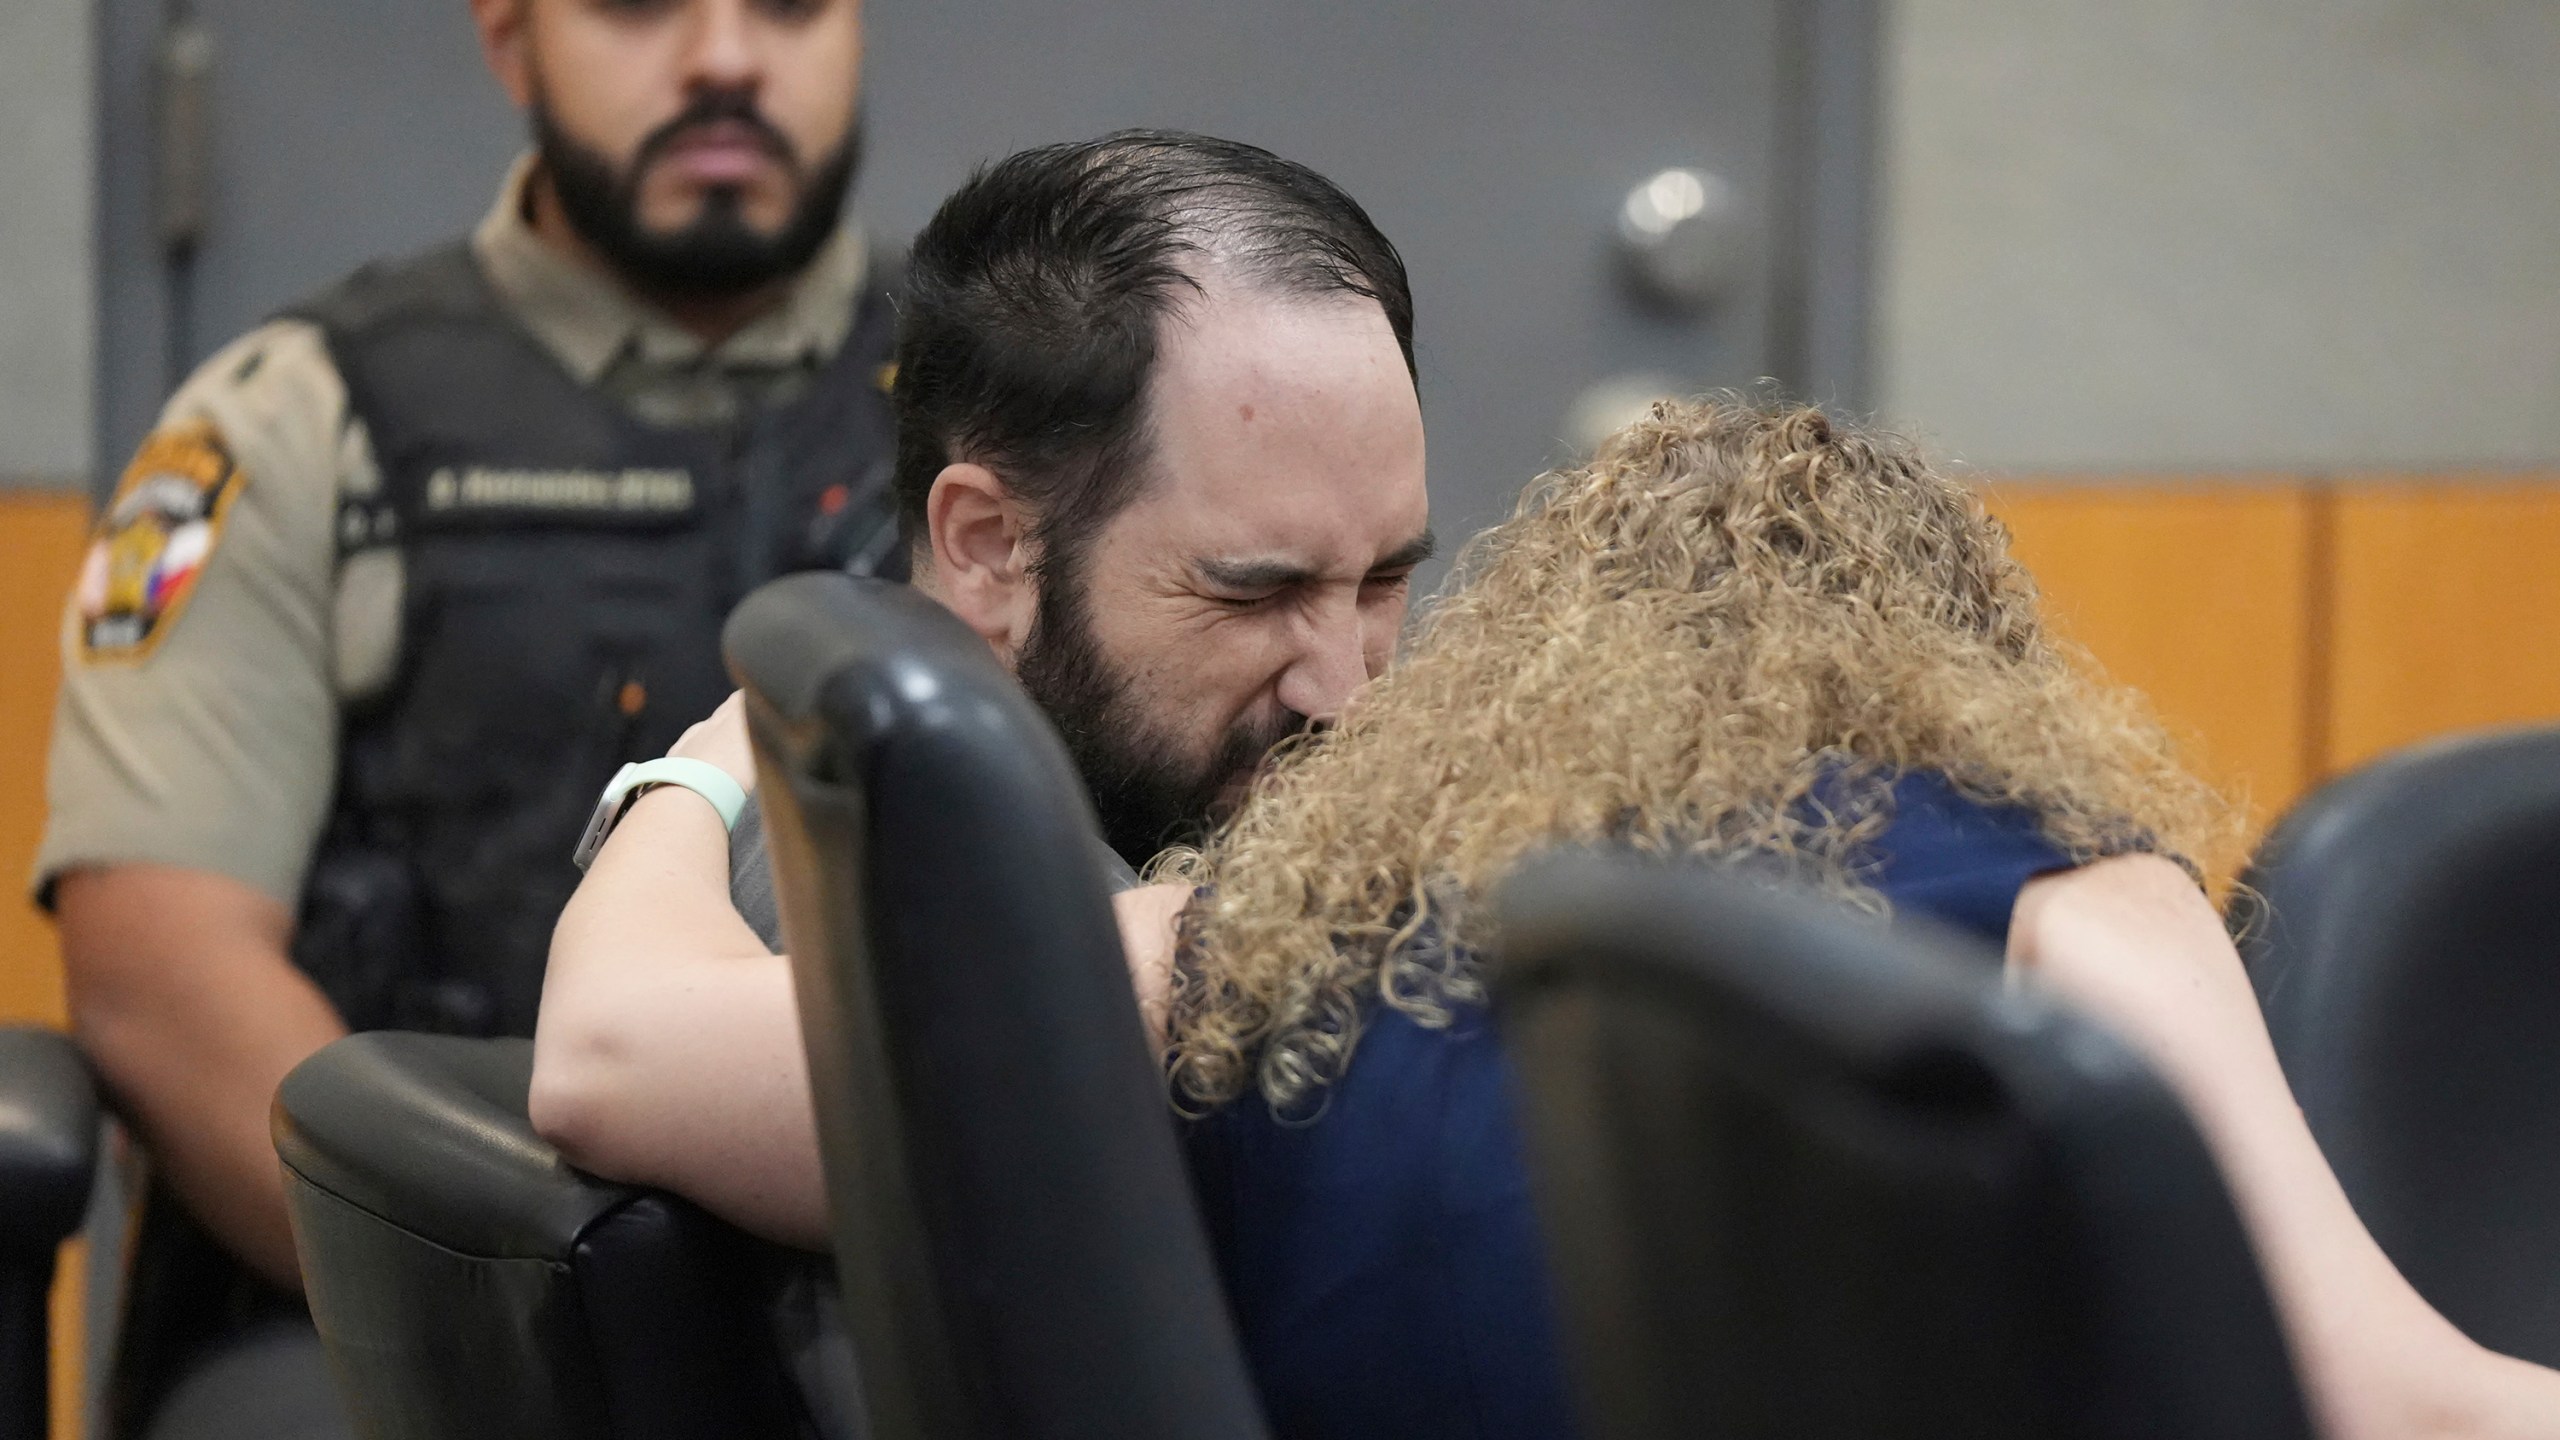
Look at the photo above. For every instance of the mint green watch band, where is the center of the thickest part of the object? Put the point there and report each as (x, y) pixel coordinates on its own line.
(699, 776)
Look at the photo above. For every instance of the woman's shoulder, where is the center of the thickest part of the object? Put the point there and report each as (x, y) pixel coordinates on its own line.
(1953, 857)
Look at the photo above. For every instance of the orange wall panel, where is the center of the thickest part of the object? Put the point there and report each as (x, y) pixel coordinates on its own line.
(70, 1274)
(40, 543)
(2447, 609)
(2198, 594)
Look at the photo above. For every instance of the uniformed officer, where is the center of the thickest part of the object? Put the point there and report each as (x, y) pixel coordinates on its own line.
(400, 580)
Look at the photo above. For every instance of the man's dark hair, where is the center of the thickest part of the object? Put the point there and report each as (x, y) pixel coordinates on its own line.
(1034, 297)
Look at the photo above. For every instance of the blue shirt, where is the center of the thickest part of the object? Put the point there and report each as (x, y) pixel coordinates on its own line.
(1383, 1259)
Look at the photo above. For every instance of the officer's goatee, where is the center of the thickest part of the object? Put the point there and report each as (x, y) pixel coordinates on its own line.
(718, 253)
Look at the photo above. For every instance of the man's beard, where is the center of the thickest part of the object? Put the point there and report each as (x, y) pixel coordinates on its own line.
(718, 253)
(1146, 792)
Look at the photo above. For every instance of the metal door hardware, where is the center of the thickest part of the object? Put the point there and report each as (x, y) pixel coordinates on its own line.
(182, 118)
(1680, 239)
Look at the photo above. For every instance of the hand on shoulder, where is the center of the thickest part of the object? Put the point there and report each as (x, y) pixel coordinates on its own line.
(721, 739)
(2133, 908)
(2133, 941)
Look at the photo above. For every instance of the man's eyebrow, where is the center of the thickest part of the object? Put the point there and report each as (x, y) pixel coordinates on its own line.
(1411, 553)
(1278, 574)
(1254, 574)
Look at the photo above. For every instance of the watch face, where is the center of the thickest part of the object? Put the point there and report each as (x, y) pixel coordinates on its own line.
(600, 824)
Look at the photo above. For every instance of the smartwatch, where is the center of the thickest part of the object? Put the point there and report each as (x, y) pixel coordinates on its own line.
(699, 776)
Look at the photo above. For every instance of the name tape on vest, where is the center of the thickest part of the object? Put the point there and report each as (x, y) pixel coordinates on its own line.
(620, 492)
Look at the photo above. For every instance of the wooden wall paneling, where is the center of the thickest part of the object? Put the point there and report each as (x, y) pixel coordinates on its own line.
(70, 1345)
(40, 543)
(41, 534)
(2447, 609)
(2197, 593)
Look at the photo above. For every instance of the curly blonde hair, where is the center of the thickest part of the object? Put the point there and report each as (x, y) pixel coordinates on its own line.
(1724, 634)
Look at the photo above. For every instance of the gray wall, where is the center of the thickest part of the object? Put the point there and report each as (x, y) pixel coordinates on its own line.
(1495, 139)
(1492, 139)
(45, 271)
(2146, 233)
(2221, 233)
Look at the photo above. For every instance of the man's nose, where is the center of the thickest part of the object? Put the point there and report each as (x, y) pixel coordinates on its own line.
(721, 53)
(1330, 666)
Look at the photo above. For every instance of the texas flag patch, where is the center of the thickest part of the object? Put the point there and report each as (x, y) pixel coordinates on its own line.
(158, 533)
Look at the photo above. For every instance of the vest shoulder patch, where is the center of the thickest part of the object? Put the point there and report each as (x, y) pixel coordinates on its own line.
(151, 547)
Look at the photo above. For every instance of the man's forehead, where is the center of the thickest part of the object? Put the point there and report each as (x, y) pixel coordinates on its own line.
(1288, 497)
(1230, 340)
(1283, 432)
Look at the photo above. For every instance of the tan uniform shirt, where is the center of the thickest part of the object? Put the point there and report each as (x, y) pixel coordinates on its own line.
(213, 634)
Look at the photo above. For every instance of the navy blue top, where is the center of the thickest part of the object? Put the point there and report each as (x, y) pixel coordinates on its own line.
(1383, 1259)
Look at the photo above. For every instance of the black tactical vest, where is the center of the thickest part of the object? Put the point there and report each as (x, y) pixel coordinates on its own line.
(568, 569)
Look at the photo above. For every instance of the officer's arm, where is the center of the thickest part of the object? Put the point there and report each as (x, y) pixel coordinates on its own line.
(194, 743)
(184, 1000)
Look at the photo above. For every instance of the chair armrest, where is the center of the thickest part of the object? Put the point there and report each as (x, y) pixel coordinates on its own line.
(467, 1281)
(48, 1137)
(428, 1132)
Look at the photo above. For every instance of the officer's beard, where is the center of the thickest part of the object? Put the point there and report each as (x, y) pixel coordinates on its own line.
(1146, 792)
(718, 253)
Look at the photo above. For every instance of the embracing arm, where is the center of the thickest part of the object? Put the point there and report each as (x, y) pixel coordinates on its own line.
(668, 1050)
(2134, 942)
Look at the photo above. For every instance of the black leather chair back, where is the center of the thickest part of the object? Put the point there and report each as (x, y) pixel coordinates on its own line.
(48, 1155)
(467, 1282)
(1019, 1248)
(2405, 943)
(1804, 1178)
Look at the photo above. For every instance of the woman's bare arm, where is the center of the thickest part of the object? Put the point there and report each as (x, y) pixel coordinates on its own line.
(668, 1050)
(2135, 943)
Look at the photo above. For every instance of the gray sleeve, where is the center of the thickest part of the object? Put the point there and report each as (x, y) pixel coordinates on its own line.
(197, 724)
(751, 876)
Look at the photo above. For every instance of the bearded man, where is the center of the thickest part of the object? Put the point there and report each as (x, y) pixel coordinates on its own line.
(403, 576)
(1159, 446)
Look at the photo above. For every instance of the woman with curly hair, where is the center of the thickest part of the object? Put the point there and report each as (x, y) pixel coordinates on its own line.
(1738, 630)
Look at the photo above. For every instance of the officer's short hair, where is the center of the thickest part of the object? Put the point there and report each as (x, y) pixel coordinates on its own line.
(1033, 300)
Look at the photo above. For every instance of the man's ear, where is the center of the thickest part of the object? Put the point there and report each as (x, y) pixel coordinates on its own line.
(506, 44)
(982, 556)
